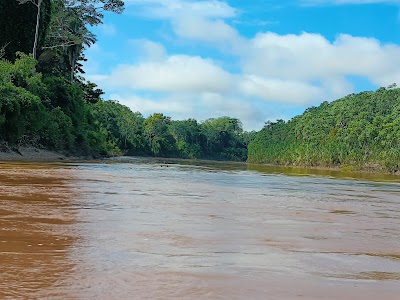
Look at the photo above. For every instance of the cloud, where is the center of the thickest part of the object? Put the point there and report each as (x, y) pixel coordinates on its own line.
(201, 29)
(310, 57)
(174, 74)
(148, 50)
(195, 20)
(277, 90)
(271, 70)
(94, 66)
(295, 60)
(217, 105)
(147, 106)
(200, 106)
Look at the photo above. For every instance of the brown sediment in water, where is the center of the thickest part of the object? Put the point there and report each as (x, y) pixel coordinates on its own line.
(35, 230)
(123, 231)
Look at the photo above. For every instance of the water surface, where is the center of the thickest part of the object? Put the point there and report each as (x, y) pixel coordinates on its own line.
(172, 229)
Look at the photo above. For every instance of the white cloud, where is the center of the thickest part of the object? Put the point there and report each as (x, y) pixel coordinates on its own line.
(175, 74)
(270, 69)
(277, 90)
(201, 29)
(195, 20)
(303, 69)
(283, 59)
(218, 105)
(199, 106)
(148, 106)
(148, 50)
(310, 57)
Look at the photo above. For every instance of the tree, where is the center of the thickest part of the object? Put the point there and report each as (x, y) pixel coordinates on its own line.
(38, 4)
(223, 139)
(69, 34)
(20, 25)
(123, 127)
(160, 140)
(22, 113)
(188, 137)
(358, 131)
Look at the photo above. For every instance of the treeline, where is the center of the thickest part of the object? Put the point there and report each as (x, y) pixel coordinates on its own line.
(356, 132)
(130, 133)
(55, 113)
(46, 102)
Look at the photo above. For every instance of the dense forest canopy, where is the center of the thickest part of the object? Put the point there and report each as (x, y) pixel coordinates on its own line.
(46, 102)
(53, 112)
(358, 131)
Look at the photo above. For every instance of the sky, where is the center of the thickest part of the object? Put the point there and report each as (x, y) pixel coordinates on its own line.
(255, 60)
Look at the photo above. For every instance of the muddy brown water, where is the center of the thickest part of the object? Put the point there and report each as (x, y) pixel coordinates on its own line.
(169, 229)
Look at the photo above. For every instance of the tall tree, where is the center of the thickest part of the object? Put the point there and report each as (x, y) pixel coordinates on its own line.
(18, 26)
(188, 137)
(159, 138)
(38, 5)
(69, 34)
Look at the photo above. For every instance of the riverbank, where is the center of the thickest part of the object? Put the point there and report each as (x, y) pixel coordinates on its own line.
(33, 154)
(346, 169)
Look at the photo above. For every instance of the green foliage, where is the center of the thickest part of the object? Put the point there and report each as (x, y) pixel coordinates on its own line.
(358, 130)
(69, 35)
(22, 113)
(224, 139)
(48, 103)
(70, 98)
(51, 112)
(123, 128)
(21, 72)
(92, 93)
(159, 139)
(58, 132)
(188, 137)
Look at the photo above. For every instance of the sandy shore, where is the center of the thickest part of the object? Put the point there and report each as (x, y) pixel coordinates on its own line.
(33, 154)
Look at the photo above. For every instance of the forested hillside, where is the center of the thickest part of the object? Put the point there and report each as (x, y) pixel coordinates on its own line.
(52, 112)
(358, 132)
(46, 102)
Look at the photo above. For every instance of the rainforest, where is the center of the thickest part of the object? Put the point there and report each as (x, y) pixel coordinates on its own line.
(46, 102)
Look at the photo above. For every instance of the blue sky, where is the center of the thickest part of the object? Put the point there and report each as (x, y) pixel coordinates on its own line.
(252, 60)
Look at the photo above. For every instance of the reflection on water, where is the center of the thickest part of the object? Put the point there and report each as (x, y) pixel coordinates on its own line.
(171, 229)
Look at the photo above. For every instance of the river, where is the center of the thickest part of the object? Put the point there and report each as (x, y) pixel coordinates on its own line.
(138, 228)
